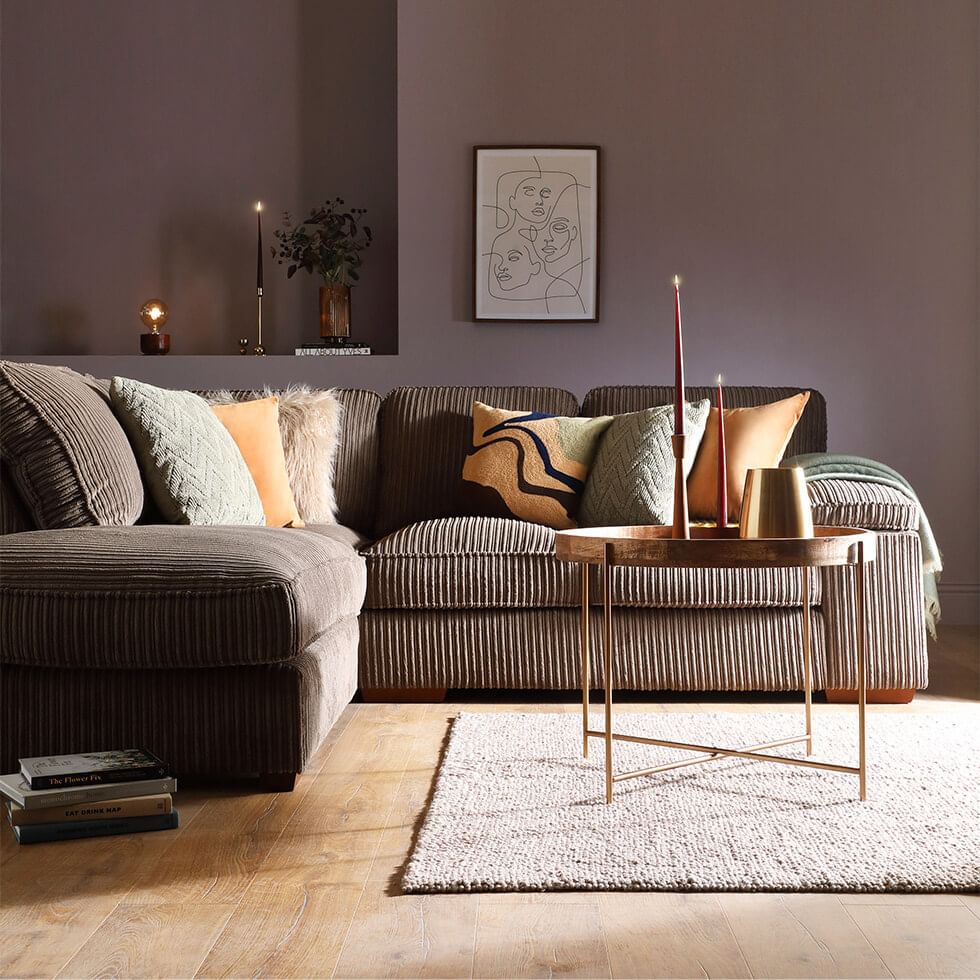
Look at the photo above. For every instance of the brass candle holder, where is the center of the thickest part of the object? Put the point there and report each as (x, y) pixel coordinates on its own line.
(682, 521)
(259, 348)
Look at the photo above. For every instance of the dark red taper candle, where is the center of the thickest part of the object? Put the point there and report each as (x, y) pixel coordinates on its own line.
(678, 362)
(722, 462)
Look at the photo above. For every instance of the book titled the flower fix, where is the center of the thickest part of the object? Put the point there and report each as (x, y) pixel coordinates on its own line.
(92, 768)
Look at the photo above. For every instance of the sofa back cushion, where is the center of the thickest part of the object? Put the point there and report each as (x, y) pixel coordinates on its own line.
(64, 450)
(810, 435)
(425, 435)
(355, 463)
(356, 473)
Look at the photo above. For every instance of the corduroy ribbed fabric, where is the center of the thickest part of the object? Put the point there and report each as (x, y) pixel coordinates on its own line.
(205, 721)
(356, 474)
(896, 628)
(853, 503)
(13, 514)
(425, 435)
(168, 596)
(491, 562)
(64, 449)
(656, 649)
(810, 435)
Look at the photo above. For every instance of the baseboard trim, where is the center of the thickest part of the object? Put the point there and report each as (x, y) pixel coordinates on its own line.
(960, 602)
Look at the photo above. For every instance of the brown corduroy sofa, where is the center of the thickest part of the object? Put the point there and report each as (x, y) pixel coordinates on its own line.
(445, 599)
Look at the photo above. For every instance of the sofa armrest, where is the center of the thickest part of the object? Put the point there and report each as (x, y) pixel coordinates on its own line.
(895, 616)
(857, 503)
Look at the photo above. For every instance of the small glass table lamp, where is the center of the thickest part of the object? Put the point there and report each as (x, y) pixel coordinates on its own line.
(154, 314)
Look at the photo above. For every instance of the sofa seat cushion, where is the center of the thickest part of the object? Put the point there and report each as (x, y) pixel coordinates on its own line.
(856, 503)
(170, 596)
(469, 563)
(495, 563)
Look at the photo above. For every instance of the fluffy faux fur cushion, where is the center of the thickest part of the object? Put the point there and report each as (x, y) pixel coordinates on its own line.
(310, 425)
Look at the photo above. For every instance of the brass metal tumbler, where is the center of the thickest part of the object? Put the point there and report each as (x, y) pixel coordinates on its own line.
(775, 504)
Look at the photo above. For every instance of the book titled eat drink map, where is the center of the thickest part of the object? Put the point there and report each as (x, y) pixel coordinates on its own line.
(91, 768)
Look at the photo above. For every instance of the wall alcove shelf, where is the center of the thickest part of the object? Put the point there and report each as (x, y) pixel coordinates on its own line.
(117, 224)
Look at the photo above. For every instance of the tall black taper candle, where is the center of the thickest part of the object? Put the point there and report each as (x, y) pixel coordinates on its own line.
(258, 270)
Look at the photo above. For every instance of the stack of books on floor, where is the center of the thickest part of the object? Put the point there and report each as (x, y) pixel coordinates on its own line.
(96, 794)
(333, 346)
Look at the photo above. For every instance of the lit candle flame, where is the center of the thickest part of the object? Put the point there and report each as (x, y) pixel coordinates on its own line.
(258, 205)
(677, 281)
(718, 380)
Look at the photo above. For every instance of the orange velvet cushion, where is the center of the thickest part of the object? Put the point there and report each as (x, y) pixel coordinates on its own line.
(754, 437)
(254, 426)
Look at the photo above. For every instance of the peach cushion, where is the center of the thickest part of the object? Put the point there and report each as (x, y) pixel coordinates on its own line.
(254, 426)
(754, 437)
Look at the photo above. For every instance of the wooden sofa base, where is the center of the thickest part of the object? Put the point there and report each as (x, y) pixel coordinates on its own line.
(878, 695)
(407, 695)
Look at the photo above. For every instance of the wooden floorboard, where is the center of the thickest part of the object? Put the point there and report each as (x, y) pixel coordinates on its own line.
(305, 884)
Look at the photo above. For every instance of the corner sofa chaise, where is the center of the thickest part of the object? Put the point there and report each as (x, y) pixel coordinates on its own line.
(234, 649)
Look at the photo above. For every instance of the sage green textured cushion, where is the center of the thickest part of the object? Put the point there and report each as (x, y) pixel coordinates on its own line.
(191, 465)
(632, 477)
(64, 450)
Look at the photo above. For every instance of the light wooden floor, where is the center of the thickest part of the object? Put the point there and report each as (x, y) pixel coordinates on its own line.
(305, 884)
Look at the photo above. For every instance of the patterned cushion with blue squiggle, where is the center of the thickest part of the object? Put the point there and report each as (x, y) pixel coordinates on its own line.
(529, 465)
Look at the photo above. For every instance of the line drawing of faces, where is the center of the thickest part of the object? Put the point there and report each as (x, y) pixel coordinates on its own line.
(555, 241)
(529, 195)
(513, 264)
(535, 250)
(533, 199)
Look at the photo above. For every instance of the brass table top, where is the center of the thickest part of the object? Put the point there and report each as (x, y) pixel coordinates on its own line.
(713, 547)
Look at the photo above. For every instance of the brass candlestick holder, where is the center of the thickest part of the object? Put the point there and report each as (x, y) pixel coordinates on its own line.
(259, 348)
(682, 521)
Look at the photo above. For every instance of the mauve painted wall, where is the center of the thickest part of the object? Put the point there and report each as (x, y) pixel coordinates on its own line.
(138, 134)
(810, 169)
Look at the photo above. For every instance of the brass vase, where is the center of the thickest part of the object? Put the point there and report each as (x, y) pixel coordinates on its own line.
(775, 504)
(334, 310)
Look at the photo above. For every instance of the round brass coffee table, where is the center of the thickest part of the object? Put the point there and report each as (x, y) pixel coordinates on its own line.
(713, 547)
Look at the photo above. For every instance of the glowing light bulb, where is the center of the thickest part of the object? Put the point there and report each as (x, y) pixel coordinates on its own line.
(154, 313)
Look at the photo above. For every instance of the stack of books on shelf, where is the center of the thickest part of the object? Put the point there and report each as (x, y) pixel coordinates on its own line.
(96, 794)
(333, 347)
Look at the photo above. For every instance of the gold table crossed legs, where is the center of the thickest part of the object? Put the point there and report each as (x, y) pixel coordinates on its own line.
(707, 753)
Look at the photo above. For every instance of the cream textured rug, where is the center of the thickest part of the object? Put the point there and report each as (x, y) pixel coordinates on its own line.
(517, 808)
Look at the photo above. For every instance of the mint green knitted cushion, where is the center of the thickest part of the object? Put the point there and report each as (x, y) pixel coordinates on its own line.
(192, 467)
(632, 476)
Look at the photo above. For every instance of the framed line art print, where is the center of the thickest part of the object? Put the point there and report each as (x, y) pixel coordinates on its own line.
(536, 233)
